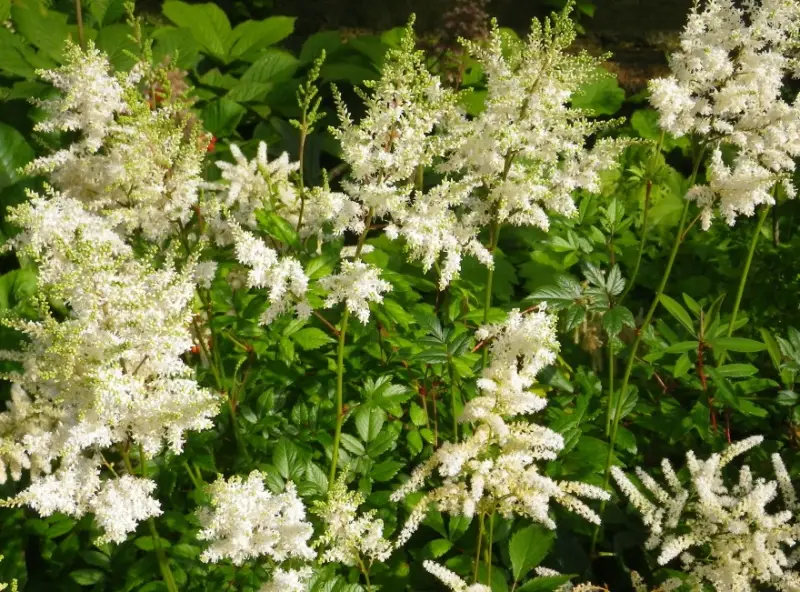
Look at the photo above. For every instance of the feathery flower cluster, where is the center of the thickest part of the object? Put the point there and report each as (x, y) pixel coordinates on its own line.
(246, 520)
(452, 580)
(726, 87)
(136, 162)
(496, 468)
(357, 284)
(290, 580)
(350, 537)
(739, 544)
(283, 276)
(108, 374)
(528, 146)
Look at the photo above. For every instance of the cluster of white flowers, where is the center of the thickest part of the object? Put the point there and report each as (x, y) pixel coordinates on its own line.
(357, 284)
(726, 88)
(452, 580)
(246, 520)
(496, 468)
(108, 375)
(739, 543)
(137, 162)
(284, 277)
(528, 146)
(290, 580)
(350, 537)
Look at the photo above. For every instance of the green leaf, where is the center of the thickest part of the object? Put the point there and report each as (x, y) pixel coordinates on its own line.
(546, 583)
(385, 470)
(737, 370)
(602, 96)
(311, 338)
(274, 65)
(418, 415)
(616, 318)
(285, 458)
(317, 476)
(46, 29)
(251, 36)
(772, 348)
(564, 293)
(222, 116)
(353, 445)
(528, 547)
(207, 22)
(87, 577)
(352, 73)
(676, 310)
(683, 346)
(148, 543)
(177, 44)
(682, 366)
(437, 547)
(737, 344)
(14, 154)
(369, 421)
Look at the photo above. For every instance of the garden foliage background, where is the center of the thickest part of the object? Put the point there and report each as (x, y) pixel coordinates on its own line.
(717, 364)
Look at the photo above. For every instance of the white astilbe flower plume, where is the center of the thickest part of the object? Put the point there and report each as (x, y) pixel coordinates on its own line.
(283, 277)
(246, 521)
(723, 533)
(350, 537)
(726, 88)
(497, 468)
(528, 147)
(137, 162)
(290, 580)
(357, 284)
(452, 580)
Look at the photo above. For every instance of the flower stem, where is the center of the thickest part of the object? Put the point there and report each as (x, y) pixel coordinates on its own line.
(79, 18)
(453, 401)
(494, 237)
(478, 552)
(745, 271)
(623, 389)
(645, 219)
(610, 388)
(489, 551)
(337, 437)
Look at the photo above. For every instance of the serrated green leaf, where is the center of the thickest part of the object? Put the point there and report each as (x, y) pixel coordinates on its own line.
(311, 338)
(528, 547)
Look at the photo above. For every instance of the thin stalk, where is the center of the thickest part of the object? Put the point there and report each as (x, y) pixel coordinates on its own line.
(494, 237)
(489, 551)
(623, 389)
(453, 401)
(745, 271)
(301, 158)
(337, 436)
(79, 18)
(610, 388)
(478, 552)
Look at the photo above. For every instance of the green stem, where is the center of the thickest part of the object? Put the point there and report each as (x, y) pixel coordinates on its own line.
(339, 396)
(489, 551)
(453, 401)
(337, 436)
(494, 237)
(610, 388)
(645, 218)
(623, 389)
(79, 18)
(745, 271)
(478, 552)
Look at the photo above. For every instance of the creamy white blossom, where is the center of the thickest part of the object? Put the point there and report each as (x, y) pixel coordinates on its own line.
(452, 580)
(497, 468)
(726, 89)
(351, 537)
(245, 521)
(290, 580)
(357, 284)
(723, 534)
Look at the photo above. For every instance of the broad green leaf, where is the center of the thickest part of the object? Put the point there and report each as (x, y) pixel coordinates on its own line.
(221, 117)
(616, 318)
(115, 41)
(418, 415)
(87, 577)
(682, 366)
(682, 346)
(310, 338)
(676, 310)
(207, 22)
(316, 475)
(343, 71)
(178, 45)
(564, 293)
(329, 41)
(285, 458)
(274, 65)
(353, 445)
(369, 421)
(14, 154)
(46, 29)
(385, 470)
(528, 547)
(737, 370)
(437, 547)
(249, 37)
(546, 583)
(737, 344)
(602, 96)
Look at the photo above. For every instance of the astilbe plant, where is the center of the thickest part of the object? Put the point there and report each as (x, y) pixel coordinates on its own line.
(723, 533)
